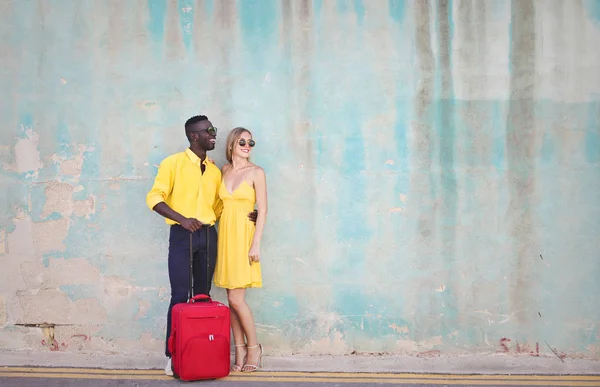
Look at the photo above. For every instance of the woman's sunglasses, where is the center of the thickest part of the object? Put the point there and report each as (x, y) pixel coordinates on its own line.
(242, 142)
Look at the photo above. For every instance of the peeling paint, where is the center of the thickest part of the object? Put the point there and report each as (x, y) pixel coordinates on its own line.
(50, 235)
(53, 305)
(403, 329)
(58, 198)
(26, 154)
(84, 207)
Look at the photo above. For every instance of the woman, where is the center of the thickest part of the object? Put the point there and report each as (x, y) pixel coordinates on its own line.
(238, 260)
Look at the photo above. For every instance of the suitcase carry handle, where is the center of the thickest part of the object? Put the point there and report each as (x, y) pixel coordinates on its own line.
(200, 297)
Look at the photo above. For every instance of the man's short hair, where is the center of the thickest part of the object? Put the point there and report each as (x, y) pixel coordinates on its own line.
(191, 122)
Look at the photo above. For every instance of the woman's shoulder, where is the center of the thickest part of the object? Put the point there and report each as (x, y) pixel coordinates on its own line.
(225, 167)
(255, 169)
(256, 173)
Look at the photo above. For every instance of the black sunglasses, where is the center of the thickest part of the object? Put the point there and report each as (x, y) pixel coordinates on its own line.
(212, 131)
(251, 142)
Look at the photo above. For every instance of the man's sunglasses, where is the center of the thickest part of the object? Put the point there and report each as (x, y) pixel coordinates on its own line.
(212, 131)
(242, 142)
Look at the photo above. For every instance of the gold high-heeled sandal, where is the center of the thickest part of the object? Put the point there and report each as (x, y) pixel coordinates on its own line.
(252, 367)
(235, 367)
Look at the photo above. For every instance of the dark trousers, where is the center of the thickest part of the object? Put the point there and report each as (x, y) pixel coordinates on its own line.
(179, 266)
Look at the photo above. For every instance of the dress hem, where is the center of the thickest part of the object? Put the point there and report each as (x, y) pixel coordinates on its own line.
(245, 286)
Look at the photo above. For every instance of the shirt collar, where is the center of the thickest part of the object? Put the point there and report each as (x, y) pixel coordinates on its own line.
(194, 158)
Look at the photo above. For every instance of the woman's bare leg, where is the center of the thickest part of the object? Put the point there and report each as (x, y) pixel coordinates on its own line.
(238, 339)
(238, 305)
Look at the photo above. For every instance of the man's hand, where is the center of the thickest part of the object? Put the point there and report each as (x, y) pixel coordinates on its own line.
(191, 224)
(253, 215)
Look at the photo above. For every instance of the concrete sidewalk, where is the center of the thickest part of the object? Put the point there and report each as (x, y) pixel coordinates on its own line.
(471, 364)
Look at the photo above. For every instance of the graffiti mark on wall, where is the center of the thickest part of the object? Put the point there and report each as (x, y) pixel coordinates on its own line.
(53, 344)
(518, 348)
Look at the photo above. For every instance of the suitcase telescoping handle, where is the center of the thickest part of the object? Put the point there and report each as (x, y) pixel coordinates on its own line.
(191, 296)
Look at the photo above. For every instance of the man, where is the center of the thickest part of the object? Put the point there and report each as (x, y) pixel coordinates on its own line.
(186, 193)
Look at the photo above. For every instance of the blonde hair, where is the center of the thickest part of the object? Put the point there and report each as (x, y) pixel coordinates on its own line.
(232, 138)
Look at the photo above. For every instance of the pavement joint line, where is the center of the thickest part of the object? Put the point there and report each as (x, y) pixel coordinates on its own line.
(319, 380)
(68, 370)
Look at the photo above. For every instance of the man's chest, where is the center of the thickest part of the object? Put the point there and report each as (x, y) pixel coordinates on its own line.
(190, 180)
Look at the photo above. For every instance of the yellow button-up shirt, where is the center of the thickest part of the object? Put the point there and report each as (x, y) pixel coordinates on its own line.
(181, 185)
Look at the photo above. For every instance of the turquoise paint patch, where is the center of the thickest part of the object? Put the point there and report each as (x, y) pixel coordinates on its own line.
(446, 129)
(286, 308)
(186, 20)
(63, 139)
(92, 162)
(78, 292)
(109, 248)
(341, 6)
(62, 148)
(499, 132)
(592, 147)
(351, 300)
(317, 7)
(593, 9)
(53, 216)
(450, 26)
(37, 193)
(547, 156)
(51, 254)
(130, 322)
(26, 125)
(91, 242)
(359, 8)
(592, 135)
(258, 20)
(13, 200)
(38, 199)
(209, 8)
(305, 326)
(351, 202)
(128, 165)
(380, 326)
(397, 9)
(258, 23)
(402, 164)
(156, 25)
(402, 118)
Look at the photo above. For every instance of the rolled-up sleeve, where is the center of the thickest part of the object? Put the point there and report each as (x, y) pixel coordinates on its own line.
(163, 184)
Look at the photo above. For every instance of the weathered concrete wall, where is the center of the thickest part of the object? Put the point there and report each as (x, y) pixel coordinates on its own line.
(433, 169)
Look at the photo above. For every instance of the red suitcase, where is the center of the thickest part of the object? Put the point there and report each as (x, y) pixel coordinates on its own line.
(199, 341)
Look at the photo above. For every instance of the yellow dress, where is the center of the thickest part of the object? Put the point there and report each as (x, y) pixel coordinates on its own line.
(236, 231)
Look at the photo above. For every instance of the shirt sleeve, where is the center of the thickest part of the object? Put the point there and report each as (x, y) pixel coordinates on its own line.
(218, 203)
(163, 184)
(218, 207)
